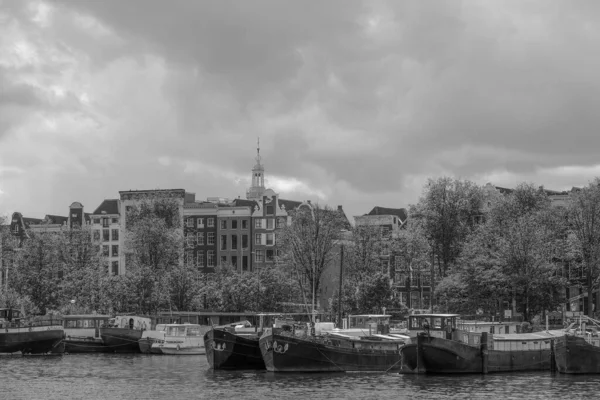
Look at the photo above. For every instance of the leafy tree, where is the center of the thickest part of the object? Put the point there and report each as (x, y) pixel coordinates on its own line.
(308, 244)
(37, 273)
(230, 290)
(584, 220)
(513, 254)
(447, 212)
(154, 248)
(84, 270)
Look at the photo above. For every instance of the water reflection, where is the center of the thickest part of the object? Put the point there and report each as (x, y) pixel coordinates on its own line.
(116, 376)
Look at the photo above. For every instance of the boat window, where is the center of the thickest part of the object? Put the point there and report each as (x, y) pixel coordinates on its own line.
(437, 323)
(193, 331)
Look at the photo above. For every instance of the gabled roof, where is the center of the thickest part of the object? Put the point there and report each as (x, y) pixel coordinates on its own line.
(504, 190)
(32, 221)
(398, 212)
(289, 204)
(56, 219)
(244, 203)
(109, 206)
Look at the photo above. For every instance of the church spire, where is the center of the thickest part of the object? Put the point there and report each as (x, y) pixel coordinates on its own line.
(258, 157)
(258, 177)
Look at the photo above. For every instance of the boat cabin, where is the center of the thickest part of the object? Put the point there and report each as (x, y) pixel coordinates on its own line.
(9, 316)
(131, 322)
(182, 330)
(375, 323)
(438, 325)
(84, 325)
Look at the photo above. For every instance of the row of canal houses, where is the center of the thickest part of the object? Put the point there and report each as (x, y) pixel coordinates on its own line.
(239, 232)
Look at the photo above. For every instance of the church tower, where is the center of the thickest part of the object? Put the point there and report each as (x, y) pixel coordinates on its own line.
(258, 178)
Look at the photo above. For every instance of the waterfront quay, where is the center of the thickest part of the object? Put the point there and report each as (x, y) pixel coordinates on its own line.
(138, 376)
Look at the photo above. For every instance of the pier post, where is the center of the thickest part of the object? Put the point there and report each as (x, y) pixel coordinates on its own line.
(484, 352)
(552, 357)
(420, 365)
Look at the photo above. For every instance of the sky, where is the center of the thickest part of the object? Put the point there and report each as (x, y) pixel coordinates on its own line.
(355, 103)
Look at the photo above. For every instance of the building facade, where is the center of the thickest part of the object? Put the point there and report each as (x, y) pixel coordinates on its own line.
(234, 231)
(200, 235)
(106, 230)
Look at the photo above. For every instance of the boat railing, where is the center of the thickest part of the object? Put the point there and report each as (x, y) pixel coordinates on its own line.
(30, 323)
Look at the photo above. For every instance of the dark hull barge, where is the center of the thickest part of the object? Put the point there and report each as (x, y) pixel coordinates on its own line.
(284, 352)
(228, 350)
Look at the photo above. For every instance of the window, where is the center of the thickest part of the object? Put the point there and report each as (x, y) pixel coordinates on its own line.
(244, 241)
(210, 222)
(280, 222)
(270, 223)
(258, 223)
(105, 222)
(210, 256)
(97, 235)
(96, 220)
(257, 238)
(223, 260)
(223, 224)
(105, 235)
(211, 239)
(115, 250)
(200, 222)
(115, 220)
(244, 263)
(189, 258)
(200, 238)
(244, 224)
(115, 234)
(234, 224)
(114, 267)
(386, 231)
(234, 261)
(189, 222)
(105, 251)
(223, 242)
(189, 239)
(270, 209)
(260, 256)
(270, 255)
(234, 242)
(270, 239)
(200, 259)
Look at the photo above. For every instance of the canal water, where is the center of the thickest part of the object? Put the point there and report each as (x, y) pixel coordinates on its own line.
(112, 376)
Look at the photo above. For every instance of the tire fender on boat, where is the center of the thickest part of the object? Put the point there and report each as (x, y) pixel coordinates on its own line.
(178, 348)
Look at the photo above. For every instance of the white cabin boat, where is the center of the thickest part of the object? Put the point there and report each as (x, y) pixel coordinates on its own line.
(182, 339)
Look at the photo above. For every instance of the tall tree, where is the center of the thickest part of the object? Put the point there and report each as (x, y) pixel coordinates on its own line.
(83, 270)
(584, 221)
(154, 248)
(37, 273)
(512, 255)
(448, 211)
(308, 244)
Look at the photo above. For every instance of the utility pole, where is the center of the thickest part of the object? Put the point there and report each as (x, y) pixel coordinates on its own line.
(341, 285)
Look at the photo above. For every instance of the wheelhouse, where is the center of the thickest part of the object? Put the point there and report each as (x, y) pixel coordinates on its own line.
(436, 324)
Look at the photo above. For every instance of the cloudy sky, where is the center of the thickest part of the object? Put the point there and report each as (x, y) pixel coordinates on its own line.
(355, 103)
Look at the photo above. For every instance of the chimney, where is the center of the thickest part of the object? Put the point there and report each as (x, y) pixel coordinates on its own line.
(340, 208)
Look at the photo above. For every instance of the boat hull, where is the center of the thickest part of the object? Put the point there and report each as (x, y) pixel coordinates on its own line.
(226, 350)
(445, 356)
(121, 340)
(34, 340)
(283, 353)
(146, 345)
(574, 355)
(183, 351)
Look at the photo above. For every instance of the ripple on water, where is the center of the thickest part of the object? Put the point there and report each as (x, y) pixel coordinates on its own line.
(136, 376)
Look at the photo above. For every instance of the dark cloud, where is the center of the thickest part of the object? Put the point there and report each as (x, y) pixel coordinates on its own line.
(358, 100)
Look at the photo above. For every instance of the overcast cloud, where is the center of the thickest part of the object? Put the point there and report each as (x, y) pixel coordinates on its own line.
(355, 103)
